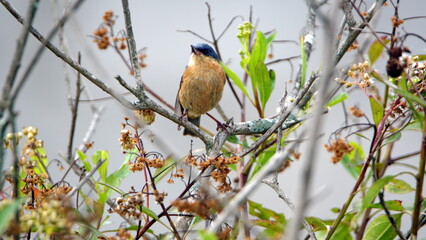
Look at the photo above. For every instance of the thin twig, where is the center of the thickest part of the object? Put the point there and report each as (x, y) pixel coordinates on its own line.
(37, 55)
(132, 45)
(7, 103)
(232, 206)
(85, 179)
(419, 183)
(215, 42)
(350, 38)
(308, 43)
(74, 111)
(71, 61)
(273, 183)
(282, 117)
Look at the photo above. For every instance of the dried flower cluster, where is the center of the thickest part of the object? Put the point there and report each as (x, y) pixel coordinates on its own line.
(220, 173)
(395, 65)
(145, 116)
(34, 188)
(151, 159)
(127, 142)
(224, 233)
(356, 112)
(360, 73)
(52, 217)
(122, 234)
(178, 174)
(202, 205)
(396, 21)
(159, 197)
(339, 147)
(398, 109)
(31, 151)
(104, 36)
(129, 206)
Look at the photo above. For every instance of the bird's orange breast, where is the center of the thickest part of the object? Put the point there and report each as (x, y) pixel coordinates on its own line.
(202, 85)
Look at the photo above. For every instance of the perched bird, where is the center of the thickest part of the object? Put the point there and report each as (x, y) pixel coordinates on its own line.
(201, 85)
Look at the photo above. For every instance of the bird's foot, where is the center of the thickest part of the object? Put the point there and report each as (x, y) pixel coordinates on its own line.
(224, 126)
(182, 118)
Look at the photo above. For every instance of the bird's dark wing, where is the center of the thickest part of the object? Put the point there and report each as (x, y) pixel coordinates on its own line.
(178, 107)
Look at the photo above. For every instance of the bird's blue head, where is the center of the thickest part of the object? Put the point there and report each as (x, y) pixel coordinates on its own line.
(205, 49)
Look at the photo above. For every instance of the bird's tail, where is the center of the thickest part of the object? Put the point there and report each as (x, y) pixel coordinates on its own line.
(196, 122)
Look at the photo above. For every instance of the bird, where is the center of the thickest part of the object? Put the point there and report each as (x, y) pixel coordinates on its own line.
(201, 85)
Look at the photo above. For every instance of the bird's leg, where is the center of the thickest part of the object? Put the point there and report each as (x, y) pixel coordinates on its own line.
(183, 117)
(220, 125)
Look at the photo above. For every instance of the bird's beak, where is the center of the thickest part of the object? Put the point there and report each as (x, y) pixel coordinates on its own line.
(194, 50)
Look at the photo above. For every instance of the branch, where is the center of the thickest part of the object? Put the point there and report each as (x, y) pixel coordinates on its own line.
(7, 104)
(282, 117)
(232, 207)
(308, 43)
(273, 183)
(419, 184)
(356, 30)
(70, 61)
(37, 55)
(85, 179)
(19, 52)
(74, 111)
(132, 46)
(310, 157)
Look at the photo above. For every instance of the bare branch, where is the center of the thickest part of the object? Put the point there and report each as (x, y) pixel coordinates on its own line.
(232, 207)
(347, 42)
(309, 163)
(284, 115)
(85, 179)
(132, 46)
(273, 183)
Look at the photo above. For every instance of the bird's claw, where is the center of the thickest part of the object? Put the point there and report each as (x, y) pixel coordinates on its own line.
(182, 119)
(224, 126)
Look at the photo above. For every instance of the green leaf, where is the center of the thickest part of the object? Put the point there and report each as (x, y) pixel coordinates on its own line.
(257, 210)
(316, 223)
(343, 230)
(234, 77)
(392, 138)
(262, 160)
(381, 228)
(337, 99)
(304, 62)
(42, 161)
(376, 50)
(420, 57)
(414, 125)
(402, 85)
(398, 186)
(407, 95)
(206, 235)
(353, 161)
(103, 169)
(273, 222)
(233, 139)
(152, 214)
(260, 78)
(7, 213)
(374, 190)
(162, 172)
(376, 110)
(118, 175)
(83, 158)
(393, 205)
